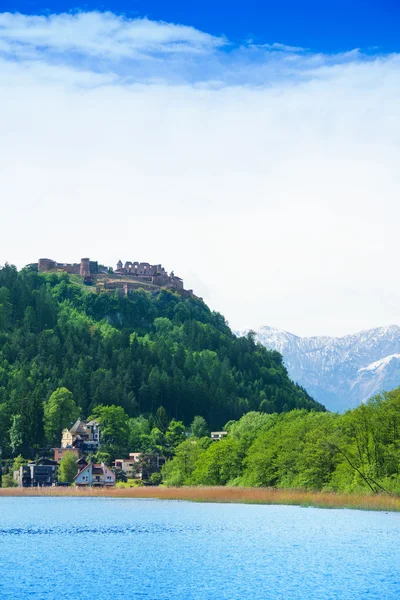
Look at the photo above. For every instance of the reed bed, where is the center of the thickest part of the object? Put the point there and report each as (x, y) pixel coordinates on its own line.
(383, 502)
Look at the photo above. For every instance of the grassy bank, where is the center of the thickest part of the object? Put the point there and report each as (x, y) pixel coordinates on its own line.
(224, 494)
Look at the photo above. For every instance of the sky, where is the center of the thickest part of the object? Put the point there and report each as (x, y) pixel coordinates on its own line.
(252, 148)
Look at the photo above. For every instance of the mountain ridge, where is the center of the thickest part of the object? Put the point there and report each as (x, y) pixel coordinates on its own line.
(341, 372)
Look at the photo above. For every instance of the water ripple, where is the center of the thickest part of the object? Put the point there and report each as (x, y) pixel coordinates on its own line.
(104, 530)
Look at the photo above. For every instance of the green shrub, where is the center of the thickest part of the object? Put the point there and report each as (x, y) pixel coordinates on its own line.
(131, 483)
(8, 481)
(155, 478)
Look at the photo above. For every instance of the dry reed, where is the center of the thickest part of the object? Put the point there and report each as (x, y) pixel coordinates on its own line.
(383, 502)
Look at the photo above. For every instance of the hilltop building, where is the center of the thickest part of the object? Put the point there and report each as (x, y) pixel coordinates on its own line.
(155, 274)
(86, 268)
(126, 277)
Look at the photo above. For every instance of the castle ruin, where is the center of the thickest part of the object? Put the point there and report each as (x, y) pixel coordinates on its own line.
(86, 268)
(126, 277)
(155, 274)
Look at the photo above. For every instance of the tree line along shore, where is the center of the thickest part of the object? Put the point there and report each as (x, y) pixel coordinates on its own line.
(354, 453)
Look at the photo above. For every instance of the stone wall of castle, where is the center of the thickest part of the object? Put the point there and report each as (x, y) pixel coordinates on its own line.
(155, 274)
(86, 267)
(139, 269)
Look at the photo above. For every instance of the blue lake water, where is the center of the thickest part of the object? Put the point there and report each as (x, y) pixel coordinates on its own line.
(96, 548)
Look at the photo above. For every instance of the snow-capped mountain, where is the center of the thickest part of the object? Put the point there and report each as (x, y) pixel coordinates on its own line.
(339, 372)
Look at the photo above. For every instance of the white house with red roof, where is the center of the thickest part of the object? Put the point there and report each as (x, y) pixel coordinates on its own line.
(95, 475)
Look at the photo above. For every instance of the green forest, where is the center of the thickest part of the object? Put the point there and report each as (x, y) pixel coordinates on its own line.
(358, 451)
(67, 352)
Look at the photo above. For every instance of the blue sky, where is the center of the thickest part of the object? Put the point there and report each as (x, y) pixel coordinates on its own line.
(251, 148)
(321, 25)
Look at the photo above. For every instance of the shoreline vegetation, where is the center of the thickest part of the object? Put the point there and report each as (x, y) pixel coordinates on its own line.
(223, 494)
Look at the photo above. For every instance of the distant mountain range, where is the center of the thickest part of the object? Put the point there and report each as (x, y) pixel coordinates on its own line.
(339, 372)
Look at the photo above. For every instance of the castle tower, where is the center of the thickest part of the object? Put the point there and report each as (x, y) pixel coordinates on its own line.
(46, 264)
(85, 267)
(119, 265)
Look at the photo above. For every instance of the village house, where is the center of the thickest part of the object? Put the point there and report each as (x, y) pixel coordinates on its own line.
(83, 435)
(95, 475)
(59, 453)
(82, 463)
(39, 473)
(218, 435)
(140, 465)
(126, 465)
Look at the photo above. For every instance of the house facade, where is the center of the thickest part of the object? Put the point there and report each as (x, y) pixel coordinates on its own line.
(146, 464)
(126, 465)
(140, 465)
(40, 473)
(218, 435)
(95, 475)
(83, 435)
(59, 453)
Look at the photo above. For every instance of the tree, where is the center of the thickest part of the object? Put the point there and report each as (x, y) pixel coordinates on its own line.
(8, 481)
(161, 419)
(120, 475)
(102, 456)
(155, 443)
(174, 436)
(155, 478)
(5, 424)
(179, 470)
(199, 427)
(5, 308)
(139, 429)
(221, 464)
(19, 461)
(68, 467)
(60, 412)
(114, 429)
(16, 434)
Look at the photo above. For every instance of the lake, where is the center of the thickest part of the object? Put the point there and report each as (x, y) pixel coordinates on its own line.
(99, 548)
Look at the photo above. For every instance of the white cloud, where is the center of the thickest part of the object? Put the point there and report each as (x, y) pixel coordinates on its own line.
(268, 180)
(99, 35)
(140, 50)
(281, 47)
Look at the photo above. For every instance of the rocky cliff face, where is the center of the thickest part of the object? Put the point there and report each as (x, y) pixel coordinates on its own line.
(340, 372)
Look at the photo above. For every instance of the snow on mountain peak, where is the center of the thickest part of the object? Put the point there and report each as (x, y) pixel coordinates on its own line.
(379, 365)
(339, 372)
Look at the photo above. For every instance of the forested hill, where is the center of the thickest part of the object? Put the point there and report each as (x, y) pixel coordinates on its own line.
(139, 352)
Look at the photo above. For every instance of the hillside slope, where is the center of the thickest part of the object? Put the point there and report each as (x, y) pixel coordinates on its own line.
(340, 372)
(139, 352)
